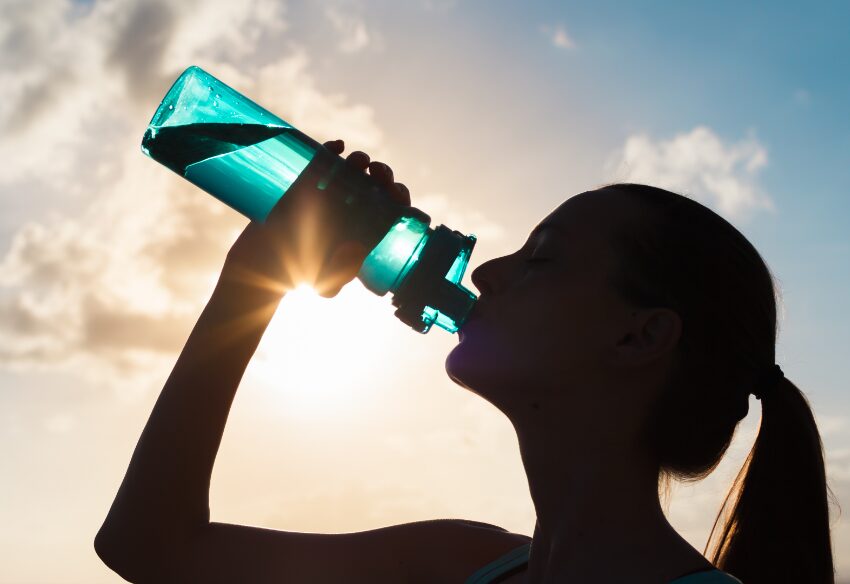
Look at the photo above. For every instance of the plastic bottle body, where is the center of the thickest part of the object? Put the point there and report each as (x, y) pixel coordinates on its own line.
(226, 144)
(248, 158)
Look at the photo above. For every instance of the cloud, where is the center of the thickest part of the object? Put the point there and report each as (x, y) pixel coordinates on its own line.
(441, 6)
(68, 74)
(223, 32)
(92, 284)
(558, 36)
(442, 210)
(831, 425)
(325, 116)
(60, 423)
(44, 73)
(136, 52)
(722, 175)
(352, 31)
(116, 277)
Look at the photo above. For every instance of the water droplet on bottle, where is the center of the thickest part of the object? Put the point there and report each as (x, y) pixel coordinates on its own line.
(217, 96)
(170, 106)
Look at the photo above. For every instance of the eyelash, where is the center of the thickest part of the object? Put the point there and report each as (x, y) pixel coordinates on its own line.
(534, 261)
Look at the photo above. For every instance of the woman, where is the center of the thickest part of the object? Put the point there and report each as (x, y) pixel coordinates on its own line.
(622, 341)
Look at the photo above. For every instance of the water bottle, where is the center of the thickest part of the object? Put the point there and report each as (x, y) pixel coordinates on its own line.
(249, 158)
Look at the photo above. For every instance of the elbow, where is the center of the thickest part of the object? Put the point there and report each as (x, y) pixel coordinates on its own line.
(113, 553)
(105, 549)
(140, 555)
(123, 555)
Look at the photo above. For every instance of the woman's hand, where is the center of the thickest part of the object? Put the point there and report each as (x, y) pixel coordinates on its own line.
(292, 246)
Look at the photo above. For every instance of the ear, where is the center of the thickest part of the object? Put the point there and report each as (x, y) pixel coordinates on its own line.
(652, 334)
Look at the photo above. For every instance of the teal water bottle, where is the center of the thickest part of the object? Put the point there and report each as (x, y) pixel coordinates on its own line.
(249, 158)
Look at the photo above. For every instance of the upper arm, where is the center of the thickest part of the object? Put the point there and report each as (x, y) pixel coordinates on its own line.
(426, 551)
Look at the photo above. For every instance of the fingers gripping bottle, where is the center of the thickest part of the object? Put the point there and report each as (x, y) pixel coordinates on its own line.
(249, 158)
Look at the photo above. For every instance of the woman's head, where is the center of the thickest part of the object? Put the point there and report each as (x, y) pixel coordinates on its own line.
(644, 316)
(553, 334)
(623, 302)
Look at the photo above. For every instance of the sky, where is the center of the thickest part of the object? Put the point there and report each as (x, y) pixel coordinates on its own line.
(492, 113)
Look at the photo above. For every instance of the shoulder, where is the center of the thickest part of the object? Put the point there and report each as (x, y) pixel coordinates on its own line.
(423, 552)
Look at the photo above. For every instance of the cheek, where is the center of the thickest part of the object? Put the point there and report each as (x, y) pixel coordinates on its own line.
(484, 365)
(491, 353)
(553, 341)
(482, 355)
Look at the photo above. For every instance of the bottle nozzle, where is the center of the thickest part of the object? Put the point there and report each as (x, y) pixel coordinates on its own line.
(431, 293)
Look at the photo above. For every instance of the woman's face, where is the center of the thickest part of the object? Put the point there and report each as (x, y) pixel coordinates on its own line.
(548, 325)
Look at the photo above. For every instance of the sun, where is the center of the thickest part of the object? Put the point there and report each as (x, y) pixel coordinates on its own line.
(317, 355)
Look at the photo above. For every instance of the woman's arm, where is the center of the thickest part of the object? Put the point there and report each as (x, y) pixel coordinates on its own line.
(163, 501)
(158, 529)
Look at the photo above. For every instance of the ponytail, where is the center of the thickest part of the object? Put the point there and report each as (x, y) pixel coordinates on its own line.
(776, 526)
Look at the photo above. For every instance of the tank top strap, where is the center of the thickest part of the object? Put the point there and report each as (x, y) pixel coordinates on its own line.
(517, 557)
(501, 566)
(710, 576)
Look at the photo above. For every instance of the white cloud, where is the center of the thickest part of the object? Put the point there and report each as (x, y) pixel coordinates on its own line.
(60, 423)
(832, 425)
(558, 36)
(118, 278)
(222, 31)
(722, 175)
(562, 39)
(49, 90)
(352, 31)
(322, 115)
(442, 210)
(68, 74)
(441, 6)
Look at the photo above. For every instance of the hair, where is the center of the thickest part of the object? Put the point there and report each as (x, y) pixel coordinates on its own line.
(775, 518)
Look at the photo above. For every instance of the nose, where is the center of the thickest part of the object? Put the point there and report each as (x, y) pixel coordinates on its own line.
(485, 277)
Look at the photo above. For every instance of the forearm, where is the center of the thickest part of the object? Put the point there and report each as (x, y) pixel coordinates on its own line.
(165, 492)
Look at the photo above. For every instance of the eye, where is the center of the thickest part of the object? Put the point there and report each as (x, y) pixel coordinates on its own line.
(534, 261)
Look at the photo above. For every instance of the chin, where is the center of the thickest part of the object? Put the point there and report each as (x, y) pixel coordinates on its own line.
(457, 366)
(474, 368)
(482, 365)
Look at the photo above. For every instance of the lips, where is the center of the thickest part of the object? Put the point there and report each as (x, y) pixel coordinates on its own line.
(474, 315)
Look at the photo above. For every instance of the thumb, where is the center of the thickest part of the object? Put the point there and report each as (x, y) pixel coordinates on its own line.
(341, 268)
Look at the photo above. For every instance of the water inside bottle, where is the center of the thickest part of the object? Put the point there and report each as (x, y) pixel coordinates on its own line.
(247, 166)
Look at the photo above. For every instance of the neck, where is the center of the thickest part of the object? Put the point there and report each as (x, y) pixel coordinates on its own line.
(599, 518)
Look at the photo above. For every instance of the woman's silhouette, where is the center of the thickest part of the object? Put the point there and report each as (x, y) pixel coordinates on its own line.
(622, 341)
